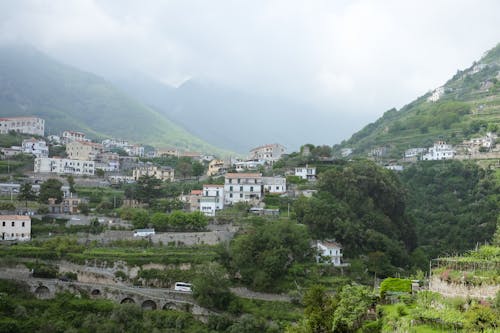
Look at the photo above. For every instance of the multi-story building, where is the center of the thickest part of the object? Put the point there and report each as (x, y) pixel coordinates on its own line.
(242, 187)
(135, 150)
(163, 152)
(107, 161)
(15, 227)
(331, 252)
(36, 147)
(83, 150)
(216, 167)
(164, 173)
(69, 205)
(440, 151)
(212, 199)
(269, 153)
(64, 166)
(274, 185)
(414, 153)
(25, 125)
(242, 166)
(70, 136)
(192, 200)
(306, 172)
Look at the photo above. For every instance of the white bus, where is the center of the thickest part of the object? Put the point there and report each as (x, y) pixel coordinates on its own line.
(183, 286)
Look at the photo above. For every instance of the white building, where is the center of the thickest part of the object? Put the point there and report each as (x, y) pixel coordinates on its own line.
(274, 185)
(330, 252)
(36, 147)
(436, 94)
(212, 199)
(414, 152)
(306, 172)
(70, 136)
(242, 187)
(344, 152)
(15, 227)
(25, 125)
(440, 151)
(241, 166)
(268, 153)
(64, 166)
(135, 150)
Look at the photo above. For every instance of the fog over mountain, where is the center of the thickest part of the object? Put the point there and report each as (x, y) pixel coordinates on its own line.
(242, 73)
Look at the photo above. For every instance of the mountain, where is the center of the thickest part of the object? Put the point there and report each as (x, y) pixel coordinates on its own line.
(233, 118)
(31, 83)
(465, 106)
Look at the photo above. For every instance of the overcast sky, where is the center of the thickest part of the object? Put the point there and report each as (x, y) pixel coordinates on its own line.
(360, 56)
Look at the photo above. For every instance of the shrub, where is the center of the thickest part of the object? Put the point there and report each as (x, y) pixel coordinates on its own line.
(394, 285)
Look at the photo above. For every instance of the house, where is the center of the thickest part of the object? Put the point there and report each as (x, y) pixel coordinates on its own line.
(59, 165)
(330, 252)
(436, 94)
(394, 167)
(25, 125)
(269, 153)
(144, 232)
(440, 151)
(11, 152)
(242, 187)
(344, 152)
(135, 150)
(83, 150)
(164, 152)
(242, 166)
(69, 205)
(108, 161)
(36, 147)
(212, 199)
(164, 173)
(70, 136)
(15, 227)
(216, 167)
(306, 172)
(192, 200)
(414, 153)
(193, 155)
(274, 185)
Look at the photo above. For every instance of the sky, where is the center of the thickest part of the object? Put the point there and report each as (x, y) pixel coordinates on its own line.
(355, 57)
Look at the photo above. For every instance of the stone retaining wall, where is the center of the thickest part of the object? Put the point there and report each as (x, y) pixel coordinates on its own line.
(462, 290)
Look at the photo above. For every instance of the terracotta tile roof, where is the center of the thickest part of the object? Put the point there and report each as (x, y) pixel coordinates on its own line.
(196, 192)
(243, 175)
(14, 217)
(212, 185)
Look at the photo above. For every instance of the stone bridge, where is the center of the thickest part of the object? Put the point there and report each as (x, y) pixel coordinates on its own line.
(147, 298)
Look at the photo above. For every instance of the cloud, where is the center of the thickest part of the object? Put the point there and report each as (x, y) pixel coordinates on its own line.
(360, 55)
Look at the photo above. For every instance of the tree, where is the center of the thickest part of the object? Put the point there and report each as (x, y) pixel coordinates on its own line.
(26, 193)
(51, 188)
(147, 188)
(211, 287)
(264, 255)
(198, 169)
(351, 308)
(71, 183)
(184, 167)
(99, 173)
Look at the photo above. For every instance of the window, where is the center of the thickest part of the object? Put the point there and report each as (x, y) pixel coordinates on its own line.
(241, 195)
(13, 223)
(22, 224)
(277, 187)
(230, 195)
(251, 188)
(3, 224)
(241, 188)
(239, 180)
(230, 188)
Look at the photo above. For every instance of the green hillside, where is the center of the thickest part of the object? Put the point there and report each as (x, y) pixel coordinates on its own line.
(68, 99)
(468, 106)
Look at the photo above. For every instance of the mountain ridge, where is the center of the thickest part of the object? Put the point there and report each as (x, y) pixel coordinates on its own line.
(32, 83)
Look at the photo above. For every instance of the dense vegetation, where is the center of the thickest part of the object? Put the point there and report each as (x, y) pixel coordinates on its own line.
(454, 206)
(470, 106)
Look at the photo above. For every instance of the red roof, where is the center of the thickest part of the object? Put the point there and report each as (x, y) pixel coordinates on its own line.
(196, 192)
(14, 217)
(243, 175)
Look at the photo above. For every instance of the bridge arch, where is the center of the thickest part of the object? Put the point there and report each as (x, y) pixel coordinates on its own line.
(127, 300)
(149, 305)
(95, 292)
(42, 292)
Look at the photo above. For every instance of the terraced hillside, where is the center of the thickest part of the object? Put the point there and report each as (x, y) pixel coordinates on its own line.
(466, 106)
